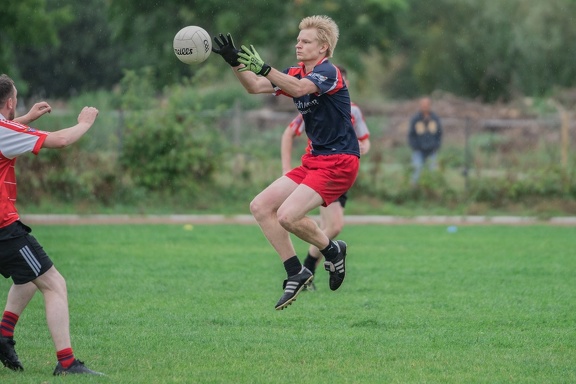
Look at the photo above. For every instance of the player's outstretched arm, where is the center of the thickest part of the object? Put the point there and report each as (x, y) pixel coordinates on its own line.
(34, 113)
(254, 84)
(67, 136)
(224, 46)
(254, 65)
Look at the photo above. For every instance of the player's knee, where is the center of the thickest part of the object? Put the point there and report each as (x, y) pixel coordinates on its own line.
(285, 220)
(258, 209)
(51, 280)
(287, 224)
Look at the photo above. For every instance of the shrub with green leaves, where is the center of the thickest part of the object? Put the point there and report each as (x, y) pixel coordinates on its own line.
(174, 146)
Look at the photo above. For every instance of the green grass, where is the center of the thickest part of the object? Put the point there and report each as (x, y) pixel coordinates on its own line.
(161, 304)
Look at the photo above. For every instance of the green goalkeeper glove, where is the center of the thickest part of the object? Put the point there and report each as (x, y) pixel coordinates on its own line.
(252, 61)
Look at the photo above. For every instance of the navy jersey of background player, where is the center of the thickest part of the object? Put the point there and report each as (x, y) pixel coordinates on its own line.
(326, 114)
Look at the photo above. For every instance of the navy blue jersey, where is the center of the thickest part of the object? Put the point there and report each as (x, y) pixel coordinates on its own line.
(327, 114)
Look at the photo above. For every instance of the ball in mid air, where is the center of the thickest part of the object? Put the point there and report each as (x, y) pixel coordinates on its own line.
(192, 45)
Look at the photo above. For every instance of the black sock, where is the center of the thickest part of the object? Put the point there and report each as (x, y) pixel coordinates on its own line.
(331, 251)
(310, 263)
(292, 266)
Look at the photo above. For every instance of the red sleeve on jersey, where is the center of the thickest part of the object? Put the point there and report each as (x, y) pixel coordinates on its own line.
(296, 125)
(39, 144)
(16, 139)
(339, 82)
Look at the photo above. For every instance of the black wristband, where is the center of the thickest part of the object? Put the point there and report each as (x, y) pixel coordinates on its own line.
(265, 70)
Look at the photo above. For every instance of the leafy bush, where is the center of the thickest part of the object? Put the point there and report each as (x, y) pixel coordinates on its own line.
(173, 147)
(549, 183)
(68, 175)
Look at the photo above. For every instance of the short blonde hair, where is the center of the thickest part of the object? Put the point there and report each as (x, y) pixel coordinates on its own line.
(327, 30)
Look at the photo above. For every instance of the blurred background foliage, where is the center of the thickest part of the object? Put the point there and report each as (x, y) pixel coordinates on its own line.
(490, 49)
(173, 137)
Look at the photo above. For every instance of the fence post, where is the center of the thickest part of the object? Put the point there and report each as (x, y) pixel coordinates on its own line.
(236, 123)
(564, 137)
(564, 133)
(466, 170)
(121, 118)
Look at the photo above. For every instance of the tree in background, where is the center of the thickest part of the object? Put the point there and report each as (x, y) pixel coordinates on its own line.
(482, 49)
(146, 29)
(85, 58)
(27, 23)
(490, 49)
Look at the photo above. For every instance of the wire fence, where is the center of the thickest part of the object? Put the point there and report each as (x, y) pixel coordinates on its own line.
(473, 148)
(485, 148)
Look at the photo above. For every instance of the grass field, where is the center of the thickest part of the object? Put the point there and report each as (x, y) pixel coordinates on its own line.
(162, 304)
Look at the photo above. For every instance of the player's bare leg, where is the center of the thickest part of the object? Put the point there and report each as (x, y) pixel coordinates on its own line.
(53, 287)
(292, 216)
(331, 223)
(18, 298)
(264, 208)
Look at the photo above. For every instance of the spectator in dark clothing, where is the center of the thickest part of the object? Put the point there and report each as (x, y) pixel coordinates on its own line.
(425, 138)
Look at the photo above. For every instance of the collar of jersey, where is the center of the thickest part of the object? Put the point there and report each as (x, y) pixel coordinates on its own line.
(303, 67)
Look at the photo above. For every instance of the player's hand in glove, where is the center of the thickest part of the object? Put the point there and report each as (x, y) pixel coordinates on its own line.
(252, 61)
(226, 49)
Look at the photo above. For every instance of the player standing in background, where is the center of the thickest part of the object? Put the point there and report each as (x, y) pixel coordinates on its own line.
(332, 216)
(21, 256)
(330, 169)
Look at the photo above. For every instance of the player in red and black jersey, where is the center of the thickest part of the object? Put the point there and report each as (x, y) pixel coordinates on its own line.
(332, 216)
(329, 170)
(21, 256)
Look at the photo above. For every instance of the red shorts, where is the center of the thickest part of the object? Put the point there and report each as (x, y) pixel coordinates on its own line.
(329, 175)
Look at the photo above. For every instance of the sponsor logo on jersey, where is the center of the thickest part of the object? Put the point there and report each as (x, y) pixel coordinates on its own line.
(318, 77)
(305, 106)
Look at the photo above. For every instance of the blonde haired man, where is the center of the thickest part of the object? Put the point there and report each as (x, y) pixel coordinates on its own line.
(332, 216)
(330, 169)
(327, 31)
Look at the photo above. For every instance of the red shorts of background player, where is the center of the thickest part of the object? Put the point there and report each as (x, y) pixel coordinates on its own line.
(329, 175)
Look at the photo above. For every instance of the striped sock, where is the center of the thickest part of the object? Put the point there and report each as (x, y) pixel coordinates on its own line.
(65, 357)
(8, 323)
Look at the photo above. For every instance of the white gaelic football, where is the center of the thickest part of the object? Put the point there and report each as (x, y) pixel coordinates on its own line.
(192, 45)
